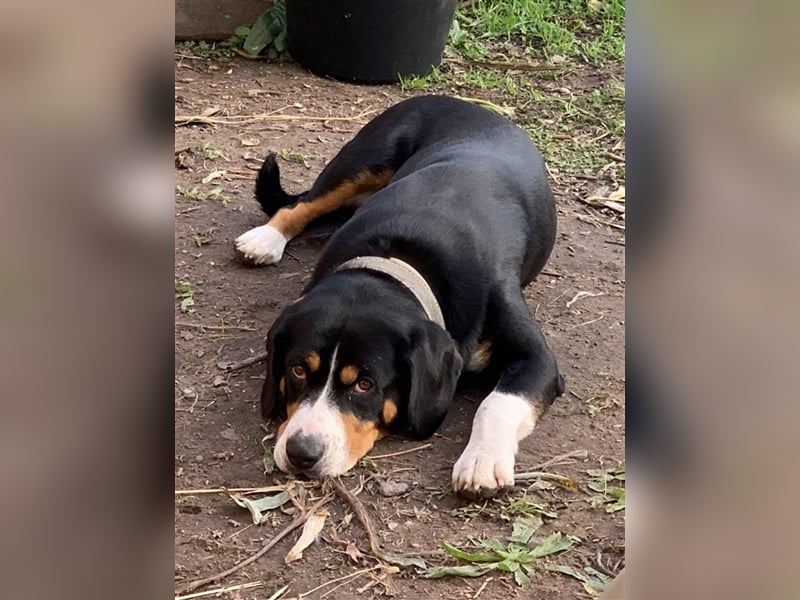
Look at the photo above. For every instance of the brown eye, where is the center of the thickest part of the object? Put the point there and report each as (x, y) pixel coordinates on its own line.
(298, 371)
(364, 385)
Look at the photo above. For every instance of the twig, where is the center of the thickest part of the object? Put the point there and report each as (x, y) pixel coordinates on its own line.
(558, 460)
(258, 490)
(344, 579)
(551, 273)
(363, 517)
(214, 327)
(500, 110)
(252, 360)
(614, 156)
(585, 323)
(232, 588)
(483, 587)
(400, 453)
(190, 587)
(505, 66)
(188, 210)
(244, 119)
(581, 295)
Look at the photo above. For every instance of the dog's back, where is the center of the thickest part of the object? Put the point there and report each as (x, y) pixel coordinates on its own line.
(469, 187)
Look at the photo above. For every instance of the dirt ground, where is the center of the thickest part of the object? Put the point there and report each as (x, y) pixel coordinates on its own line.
(218, 428)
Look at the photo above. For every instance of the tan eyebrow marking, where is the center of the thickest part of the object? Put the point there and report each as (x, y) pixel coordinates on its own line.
(349, 374)
(389, 411)
(313, 361)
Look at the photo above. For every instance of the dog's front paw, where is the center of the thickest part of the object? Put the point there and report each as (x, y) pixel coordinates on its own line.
(262, 245)
(483, 469)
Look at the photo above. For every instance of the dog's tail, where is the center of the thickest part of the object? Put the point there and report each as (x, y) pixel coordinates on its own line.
(269, 193)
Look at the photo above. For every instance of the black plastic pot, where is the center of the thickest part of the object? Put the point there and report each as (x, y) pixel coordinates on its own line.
(370, 41)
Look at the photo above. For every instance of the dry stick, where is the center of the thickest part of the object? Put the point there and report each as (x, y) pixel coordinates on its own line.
(190, 587)
(258, 490)
(363, 517)
(614, 156)
(506, 66)
(580, 453)
(216, 591)
(551, 273)
(253, 360)
(400, 453)
(214, 327)
(483, 587)
(344, 578)
(244, 119)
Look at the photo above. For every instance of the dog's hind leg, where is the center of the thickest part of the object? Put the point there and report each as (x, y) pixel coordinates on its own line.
(347, 181)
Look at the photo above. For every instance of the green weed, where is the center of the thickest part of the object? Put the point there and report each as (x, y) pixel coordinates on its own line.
(203, 239)
(518, 557)
(608, 484)
(210, 152)
(298, 157)
(195, 193)
(185, 292)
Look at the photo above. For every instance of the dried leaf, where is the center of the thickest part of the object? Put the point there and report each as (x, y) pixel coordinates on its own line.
(353, 552)
(258, 507)
(212, 176)
(311, 529)
(404, 561)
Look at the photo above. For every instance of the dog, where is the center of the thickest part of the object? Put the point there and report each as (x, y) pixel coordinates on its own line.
(423, 284)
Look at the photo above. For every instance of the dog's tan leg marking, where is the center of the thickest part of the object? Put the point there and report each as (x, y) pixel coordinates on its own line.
(265, 244)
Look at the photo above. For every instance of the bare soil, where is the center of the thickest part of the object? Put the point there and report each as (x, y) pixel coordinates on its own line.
(218, 427)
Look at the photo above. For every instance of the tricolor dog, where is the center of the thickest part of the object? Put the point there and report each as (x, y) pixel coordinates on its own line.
(422, 284)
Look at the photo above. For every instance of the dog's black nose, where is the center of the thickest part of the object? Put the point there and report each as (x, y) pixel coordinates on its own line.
(303, 451)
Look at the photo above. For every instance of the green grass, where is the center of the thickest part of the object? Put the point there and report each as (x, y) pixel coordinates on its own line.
(592, 30)
(569, 130)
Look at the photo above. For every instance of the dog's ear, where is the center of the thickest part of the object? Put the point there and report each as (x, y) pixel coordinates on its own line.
(435, 365)
(273, 400)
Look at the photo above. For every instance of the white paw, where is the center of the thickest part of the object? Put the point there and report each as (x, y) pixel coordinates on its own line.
(262, 245)
(487, 462)
(483, 466)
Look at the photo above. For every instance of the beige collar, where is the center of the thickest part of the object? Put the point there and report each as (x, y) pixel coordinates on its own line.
(404, 274)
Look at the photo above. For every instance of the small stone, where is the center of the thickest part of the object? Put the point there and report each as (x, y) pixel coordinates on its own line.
(229, 434)
(393, 488)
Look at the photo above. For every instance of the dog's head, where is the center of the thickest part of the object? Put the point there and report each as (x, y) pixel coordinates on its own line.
(341, 378)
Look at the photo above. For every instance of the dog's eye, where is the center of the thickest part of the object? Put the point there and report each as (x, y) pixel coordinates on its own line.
(298, 371)
(364, 385)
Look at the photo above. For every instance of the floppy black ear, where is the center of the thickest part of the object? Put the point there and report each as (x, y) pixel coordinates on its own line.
(273, 401)
(435, 366)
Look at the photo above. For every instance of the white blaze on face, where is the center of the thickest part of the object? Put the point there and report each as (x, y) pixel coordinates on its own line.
(501, 421)
(318, 417)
